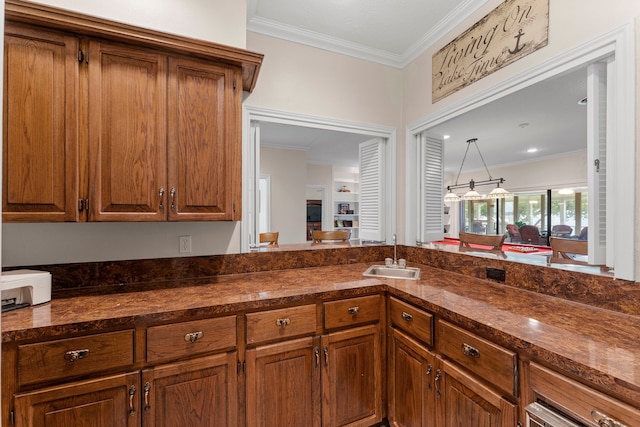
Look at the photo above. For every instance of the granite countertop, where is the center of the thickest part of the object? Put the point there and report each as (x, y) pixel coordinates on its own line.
(596, 345)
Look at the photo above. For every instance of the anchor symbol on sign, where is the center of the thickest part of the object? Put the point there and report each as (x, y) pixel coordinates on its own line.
(518, 47)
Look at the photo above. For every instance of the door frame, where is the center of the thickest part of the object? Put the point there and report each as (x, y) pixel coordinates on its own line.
(251, 156)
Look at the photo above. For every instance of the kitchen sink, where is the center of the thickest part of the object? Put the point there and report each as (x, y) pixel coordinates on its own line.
(410, 273)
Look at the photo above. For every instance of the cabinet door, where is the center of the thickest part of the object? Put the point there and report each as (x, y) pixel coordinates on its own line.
(283, 384)
(127, 136)
(198, 393)
(464, 400)
(352, 377)
(412, 369)
(40, 140)
(205, 149)
(106, 402)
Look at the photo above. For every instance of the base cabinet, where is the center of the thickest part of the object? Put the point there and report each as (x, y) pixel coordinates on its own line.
(411, 388)
(283, 384)
(352, 377)
(109, 402)
(197, 393)
(428, 389)
(463, 400)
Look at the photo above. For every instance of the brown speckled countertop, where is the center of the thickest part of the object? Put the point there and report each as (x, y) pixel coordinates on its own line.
(590, 343)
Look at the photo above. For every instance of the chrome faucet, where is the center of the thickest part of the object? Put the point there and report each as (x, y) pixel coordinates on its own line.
(395, 250)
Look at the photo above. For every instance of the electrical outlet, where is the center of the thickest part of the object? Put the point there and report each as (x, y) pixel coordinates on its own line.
(185, 244)
(497, 274)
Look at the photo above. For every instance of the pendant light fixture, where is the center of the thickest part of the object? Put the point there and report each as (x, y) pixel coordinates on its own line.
(472, 194)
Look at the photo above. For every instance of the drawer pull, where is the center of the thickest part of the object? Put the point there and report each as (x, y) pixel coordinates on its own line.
(353, 310)
(406, 316)
(467, 350)
(193, 336)
(147, 388)
(132, 394)
(283, 322)
(73, 355)
(604, 420)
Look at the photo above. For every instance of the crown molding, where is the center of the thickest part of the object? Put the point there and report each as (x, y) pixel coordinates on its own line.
(294, 34)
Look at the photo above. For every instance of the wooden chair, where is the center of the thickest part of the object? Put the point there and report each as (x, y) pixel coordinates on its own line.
(493, 241)
(335, 235)
(491, 244)
(270, 237)
(564, 250)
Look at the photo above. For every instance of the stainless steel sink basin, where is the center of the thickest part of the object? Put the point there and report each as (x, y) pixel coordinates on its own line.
(410, 273)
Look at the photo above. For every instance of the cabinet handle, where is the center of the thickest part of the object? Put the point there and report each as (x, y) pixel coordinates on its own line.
(467, 350)
(429, 371)
(283, 322)
(161, 194)
(132, 393)
(437, 382)
(317, 353)
(406, 316)
(326, 356)
(172, 193)
(193, 336)
(147, 389)
(353, 310)
(604, 420)
(73, 355)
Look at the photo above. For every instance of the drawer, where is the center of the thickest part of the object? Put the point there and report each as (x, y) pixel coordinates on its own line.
(281, 323)
(488, 361)
(188, 338)
(352, 311)
(577, 399)
(412, 320)
(71, 357)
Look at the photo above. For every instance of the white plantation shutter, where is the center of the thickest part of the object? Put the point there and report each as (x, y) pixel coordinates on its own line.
(431, 207)
(372, 190)
(597, 164)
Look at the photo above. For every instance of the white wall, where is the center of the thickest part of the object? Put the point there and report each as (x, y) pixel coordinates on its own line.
(288, 172)
(220, 21)
(293, 78)
(571, 23)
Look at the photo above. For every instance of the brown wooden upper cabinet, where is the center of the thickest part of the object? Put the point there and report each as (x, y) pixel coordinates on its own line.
(116, 123)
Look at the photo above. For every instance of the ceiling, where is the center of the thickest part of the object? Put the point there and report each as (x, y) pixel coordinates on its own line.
(545, 116)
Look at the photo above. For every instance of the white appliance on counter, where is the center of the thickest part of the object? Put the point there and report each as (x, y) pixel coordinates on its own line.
(22, 288)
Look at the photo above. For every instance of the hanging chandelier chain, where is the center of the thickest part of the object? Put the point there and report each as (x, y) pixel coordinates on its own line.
(475, 142)
(462, 164)
(472, 194)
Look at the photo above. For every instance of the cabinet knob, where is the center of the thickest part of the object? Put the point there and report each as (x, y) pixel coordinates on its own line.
(193, 336)
(73, 355)
(283, 322)
(467, 350)
(406, 316)
(604, 420)
(353, 310)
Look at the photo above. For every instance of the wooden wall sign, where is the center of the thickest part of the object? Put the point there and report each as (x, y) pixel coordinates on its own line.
(514, 29)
